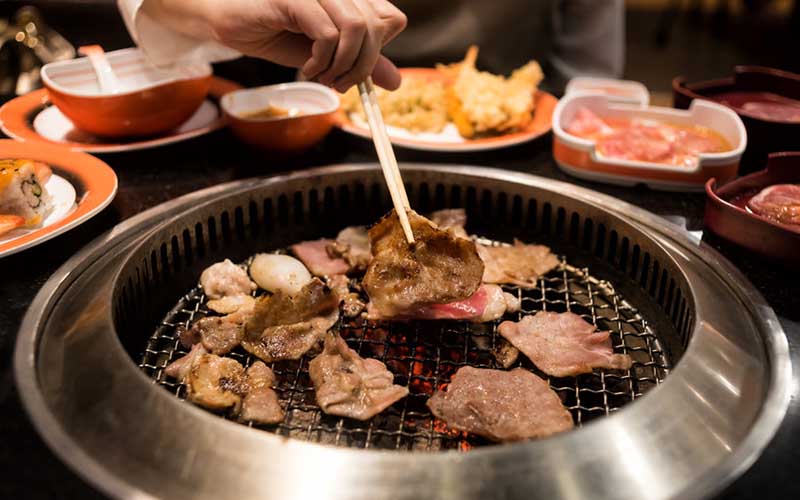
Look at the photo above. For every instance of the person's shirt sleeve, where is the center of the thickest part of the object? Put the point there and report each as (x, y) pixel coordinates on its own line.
(588, 38)
(163, 46)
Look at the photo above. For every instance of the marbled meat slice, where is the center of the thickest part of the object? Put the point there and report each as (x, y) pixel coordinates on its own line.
(563, 344)
(315, 256)
(285, 326)
(352, 244)
(348, 385)
(438, 268)
(260, 404)
(780, 202)
(488, 303)
(519, 264)
(224, 279)
(501, 405)
(451, 219)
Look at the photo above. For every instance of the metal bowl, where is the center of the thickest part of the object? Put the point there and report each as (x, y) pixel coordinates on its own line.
(688, 437)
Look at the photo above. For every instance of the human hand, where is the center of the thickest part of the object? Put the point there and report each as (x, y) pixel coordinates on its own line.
(334, 42)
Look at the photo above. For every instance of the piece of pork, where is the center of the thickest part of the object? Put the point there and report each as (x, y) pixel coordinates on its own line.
(285, 326)
(352, 245)
(519, 264)
(211, 381)
(563, 344)
(224, 279)
(501, 405)
(438, 268)
(231, 303)
(290, 341)
(505, 353)
(351, 302)
(451, 219)
(780, 203)
(348, 385)
(260, 403)
(218, 334)
(220, 383)
(488, 303)
(315, 256)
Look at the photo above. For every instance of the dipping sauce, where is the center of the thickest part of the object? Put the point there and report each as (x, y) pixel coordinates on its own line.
(647, 140)
(271, 112)
(764, 105)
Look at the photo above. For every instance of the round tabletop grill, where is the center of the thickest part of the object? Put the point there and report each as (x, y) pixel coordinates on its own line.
(709, 356)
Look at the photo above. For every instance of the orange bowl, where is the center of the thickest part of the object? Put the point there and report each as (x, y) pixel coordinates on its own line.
(152, 100)
(312, 109)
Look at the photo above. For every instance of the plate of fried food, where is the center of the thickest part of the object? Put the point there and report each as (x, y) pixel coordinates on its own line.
(457, 108)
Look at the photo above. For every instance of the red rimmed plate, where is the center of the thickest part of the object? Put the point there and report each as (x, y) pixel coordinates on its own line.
(81, 186)
(32, 118)
(449, 140)
(727, 216)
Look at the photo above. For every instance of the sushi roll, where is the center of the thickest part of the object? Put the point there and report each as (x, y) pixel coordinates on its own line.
(22, 191)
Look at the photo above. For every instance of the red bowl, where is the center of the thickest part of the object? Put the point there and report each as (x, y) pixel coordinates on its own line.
(153, 100)
(316, 104)
(725, 215)
(764, 135)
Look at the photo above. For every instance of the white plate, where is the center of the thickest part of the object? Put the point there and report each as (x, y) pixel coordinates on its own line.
(63, 200)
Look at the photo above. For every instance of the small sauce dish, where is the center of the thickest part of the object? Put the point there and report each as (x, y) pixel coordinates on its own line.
(149, 100)
(287, 117)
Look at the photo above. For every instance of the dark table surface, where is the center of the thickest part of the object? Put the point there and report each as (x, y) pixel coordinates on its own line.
(147, 178)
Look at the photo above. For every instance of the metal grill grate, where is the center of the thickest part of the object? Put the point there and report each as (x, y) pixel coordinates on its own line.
(424, 355)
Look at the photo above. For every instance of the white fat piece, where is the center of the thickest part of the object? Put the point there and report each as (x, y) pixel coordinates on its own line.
(283, 273)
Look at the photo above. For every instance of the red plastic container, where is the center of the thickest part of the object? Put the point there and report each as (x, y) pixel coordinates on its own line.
(726, 216)
(764, 135)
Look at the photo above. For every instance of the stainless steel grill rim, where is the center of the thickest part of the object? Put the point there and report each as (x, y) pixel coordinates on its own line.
(775, 397)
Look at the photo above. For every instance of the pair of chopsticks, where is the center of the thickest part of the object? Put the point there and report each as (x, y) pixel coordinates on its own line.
(391, 172)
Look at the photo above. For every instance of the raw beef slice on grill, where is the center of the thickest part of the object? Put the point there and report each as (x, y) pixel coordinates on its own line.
(501, 405)
(284, 326)
(438, 268)
(780, 202)
(563, 344)
(487, 304)
(348, 385)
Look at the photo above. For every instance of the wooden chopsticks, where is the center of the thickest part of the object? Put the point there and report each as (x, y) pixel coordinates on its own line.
(391, 172)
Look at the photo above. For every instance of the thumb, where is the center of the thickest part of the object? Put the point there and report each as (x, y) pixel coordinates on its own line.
(386, 74)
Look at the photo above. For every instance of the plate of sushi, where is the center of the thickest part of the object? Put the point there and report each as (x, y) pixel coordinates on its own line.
(46, 190)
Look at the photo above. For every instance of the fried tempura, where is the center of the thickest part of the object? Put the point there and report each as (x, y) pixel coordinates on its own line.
(482, 103)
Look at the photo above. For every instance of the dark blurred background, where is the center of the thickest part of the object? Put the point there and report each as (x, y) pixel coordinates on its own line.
(697, 38)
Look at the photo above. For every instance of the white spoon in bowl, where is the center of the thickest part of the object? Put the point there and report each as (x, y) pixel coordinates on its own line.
(109, 83)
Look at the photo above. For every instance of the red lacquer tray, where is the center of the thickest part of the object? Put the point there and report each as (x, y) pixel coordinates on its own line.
(726, 216)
